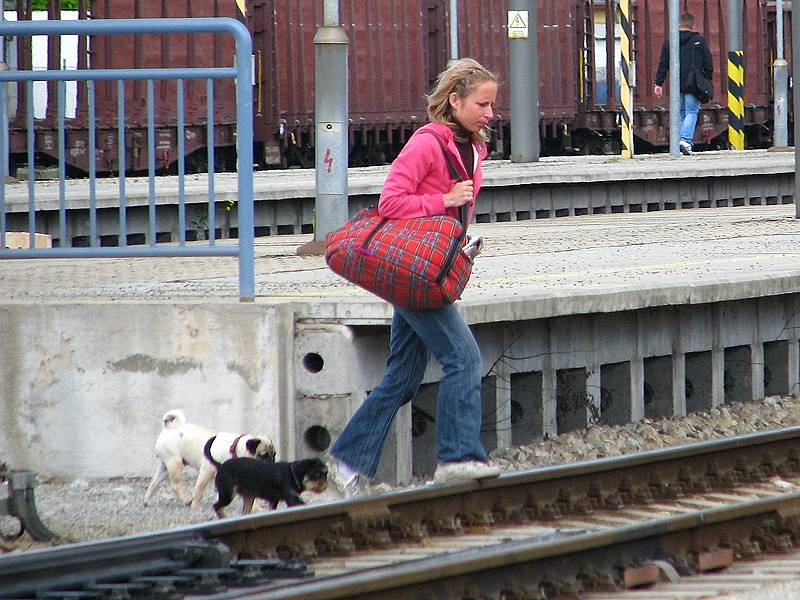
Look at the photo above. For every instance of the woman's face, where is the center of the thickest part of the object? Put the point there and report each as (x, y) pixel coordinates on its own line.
(476, 110)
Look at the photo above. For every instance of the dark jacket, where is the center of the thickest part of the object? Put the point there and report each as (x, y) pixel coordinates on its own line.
(693, 50)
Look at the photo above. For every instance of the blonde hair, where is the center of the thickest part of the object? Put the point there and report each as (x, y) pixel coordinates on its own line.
(461, 77)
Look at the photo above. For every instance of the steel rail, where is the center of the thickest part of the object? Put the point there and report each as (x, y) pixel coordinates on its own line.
(545, 492)
(530, 563)
(75, 563)
(339, 528)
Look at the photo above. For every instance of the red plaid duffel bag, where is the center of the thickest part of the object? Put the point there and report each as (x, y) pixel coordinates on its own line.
(411, 263)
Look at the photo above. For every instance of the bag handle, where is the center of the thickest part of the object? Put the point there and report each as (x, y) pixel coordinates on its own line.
(453, 173)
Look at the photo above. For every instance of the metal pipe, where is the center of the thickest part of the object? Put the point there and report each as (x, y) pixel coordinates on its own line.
(523, 54)
(734, 25)
(453, 29)
(779, 27)
(674, 79)
(331, 129)
(330, 10)
(780, 73)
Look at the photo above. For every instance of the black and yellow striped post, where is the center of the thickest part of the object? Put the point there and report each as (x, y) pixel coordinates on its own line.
(241, 11)
(627, 81)
(736, 100)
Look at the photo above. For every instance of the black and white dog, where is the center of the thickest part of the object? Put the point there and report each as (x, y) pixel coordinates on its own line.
(251, 478)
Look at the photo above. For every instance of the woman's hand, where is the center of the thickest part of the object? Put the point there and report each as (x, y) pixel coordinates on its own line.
(459, 194)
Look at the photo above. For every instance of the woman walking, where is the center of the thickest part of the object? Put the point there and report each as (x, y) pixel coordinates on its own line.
(419, 184)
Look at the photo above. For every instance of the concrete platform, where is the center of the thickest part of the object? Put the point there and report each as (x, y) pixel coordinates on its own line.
(92, 352)
(552, 187)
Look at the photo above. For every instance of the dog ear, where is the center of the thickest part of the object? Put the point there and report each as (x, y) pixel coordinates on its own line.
(261, 447)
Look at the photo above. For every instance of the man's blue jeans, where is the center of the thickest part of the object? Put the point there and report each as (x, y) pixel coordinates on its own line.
(415, 335)
(690, 107)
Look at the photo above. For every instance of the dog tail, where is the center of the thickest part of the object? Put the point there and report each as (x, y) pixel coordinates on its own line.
(173, 419)
(207, 452)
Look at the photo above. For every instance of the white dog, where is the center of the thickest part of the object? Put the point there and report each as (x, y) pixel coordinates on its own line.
(181, 443)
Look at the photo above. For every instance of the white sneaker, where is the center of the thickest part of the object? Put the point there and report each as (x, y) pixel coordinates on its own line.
(470, 469)
(685, 147)
(348, 483)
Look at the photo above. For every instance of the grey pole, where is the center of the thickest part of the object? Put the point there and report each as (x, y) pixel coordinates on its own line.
(780, 70)
(4, 149)
(796, 110)
(331, 128)
(453, 29)
(523, 55)
(734, 25)
(674, 79)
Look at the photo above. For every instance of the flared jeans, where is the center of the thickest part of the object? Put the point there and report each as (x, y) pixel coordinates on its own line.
(415, 335)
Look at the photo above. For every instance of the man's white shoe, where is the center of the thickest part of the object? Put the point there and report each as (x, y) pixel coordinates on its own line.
(685, 147)
(471, 469)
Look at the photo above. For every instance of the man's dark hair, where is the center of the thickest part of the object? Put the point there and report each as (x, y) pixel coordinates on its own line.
(687, 20)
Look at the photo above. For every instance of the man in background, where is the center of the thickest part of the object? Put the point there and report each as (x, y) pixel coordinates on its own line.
(693, 51)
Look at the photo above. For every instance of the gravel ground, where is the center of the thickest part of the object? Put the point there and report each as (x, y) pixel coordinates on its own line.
(81, 509)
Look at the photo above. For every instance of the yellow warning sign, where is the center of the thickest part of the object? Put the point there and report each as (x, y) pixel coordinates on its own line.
(518, 24)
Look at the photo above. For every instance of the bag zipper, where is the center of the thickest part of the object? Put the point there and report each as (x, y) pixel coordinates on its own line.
(362, 250)
(455, 247)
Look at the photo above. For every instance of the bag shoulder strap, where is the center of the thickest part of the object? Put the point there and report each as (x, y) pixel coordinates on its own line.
(453, 172)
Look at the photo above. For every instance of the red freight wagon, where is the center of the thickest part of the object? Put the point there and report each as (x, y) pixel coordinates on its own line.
(388, 68)
(396, 48)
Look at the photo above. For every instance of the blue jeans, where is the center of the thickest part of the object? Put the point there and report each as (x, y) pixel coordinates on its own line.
(415, 335)
(690, 107)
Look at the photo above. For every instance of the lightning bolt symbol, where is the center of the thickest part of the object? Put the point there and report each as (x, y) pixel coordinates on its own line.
(328, 160)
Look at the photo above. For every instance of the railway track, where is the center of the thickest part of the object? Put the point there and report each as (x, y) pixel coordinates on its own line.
(557, 532)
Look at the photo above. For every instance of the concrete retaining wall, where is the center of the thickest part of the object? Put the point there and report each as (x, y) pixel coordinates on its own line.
(84, 386)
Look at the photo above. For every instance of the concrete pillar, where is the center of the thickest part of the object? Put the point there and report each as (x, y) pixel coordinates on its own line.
(793, 360)
(757, 367)
(549, 418)
(717, 377)
(637, 390)
(503, 405)
(402, 450)
(739, 373)
(679, 384)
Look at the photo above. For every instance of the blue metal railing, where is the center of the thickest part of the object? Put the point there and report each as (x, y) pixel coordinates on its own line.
(241, 73)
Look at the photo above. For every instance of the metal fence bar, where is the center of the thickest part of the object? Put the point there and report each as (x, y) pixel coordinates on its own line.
(181, 165)
(115, 74)
(62, 166)
(4, 143)
(151, 162)
(212, 212)
(126, 252)
(244, 151)
(31, 167)
(92, 166)
(240, 74)
(122, 238)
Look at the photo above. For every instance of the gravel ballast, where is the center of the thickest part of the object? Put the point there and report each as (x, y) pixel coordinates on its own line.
(93, 509)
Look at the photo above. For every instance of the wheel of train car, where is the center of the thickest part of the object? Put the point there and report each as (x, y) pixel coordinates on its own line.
(611, 147)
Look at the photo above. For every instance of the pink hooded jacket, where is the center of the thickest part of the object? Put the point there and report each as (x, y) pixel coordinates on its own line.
(419, 178)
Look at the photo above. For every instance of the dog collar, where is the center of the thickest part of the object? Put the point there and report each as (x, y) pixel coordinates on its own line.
(296, 482)
(234, 444)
